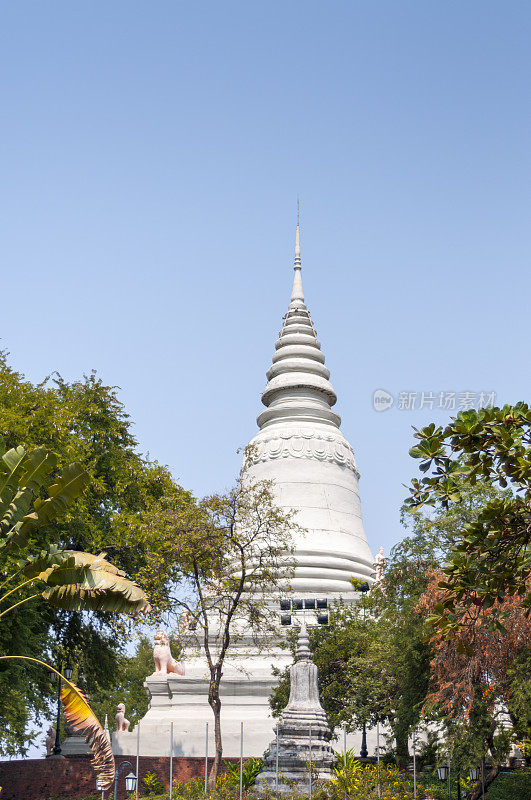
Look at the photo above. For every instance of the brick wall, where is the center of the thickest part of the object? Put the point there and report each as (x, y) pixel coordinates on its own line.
(73, 777)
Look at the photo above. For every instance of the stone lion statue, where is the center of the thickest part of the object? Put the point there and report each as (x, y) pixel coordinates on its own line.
(164, 661)
(122, 724)
(380, 564)
(50, 741)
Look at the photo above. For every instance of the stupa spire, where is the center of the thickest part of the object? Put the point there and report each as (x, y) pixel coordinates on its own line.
(297, 295)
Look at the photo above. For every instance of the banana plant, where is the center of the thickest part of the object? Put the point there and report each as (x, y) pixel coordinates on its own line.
(81, 717)
(68, 579)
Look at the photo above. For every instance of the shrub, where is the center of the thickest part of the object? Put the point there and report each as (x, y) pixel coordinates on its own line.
(362, 783)
(189, 790)
(511, 786)
(151, 783)
(251, 769)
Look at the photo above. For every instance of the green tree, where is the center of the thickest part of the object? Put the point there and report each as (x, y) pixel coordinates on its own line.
(83, 422)
(67, 579)
(491, 557)
(379, 667)
(229, 555)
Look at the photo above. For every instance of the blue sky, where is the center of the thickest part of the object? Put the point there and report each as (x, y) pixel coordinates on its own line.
(151, 156)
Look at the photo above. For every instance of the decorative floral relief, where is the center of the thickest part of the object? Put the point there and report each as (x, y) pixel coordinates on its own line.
(305, 444)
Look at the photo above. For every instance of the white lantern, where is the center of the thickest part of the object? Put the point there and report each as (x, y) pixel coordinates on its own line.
(130, 782)
(442, 772)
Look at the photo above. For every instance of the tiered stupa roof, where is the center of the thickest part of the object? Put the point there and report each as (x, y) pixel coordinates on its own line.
(298, 385)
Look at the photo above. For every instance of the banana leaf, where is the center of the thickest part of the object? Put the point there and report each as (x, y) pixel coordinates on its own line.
(81, 717)
(69, 486)
(83, 580)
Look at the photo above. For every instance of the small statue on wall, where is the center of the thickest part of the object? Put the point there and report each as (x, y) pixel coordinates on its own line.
(122, 724)
(50, 741)
(164, 661)
(380, 564)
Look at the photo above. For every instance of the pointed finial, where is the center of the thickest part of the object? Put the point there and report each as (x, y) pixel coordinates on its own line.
(297, 294)
(298, 241)
(303, 644)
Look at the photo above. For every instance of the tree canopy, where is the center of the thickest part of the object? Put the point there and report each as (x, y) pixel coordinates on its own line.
(84, 422)
(491, 556)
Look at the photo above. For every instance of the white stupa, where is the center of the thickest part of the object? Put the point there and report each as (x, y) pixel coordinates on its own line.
(302, 450)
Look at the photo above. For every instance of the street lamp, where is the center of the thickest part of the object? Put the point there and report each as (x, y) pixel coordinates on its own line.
(68, 675)
(474, 773)
(443, 773)
(81, 679)
(130, 780)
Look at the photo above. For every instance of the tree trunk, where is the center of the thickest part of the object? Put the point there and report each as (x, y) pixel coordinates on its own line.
(215, 704)
(402, 750)
(477, 791)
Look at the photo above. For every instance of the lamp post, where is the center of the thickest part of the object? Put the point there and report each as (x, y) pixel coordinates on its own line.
(130, 780)
(364, 588)
(364, 752)
(415, 765)
(68, 675)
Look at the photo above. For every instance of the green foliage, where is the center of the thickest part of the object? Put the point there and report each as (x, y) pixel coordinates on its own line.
(427, 749)
(349, 653)
(519, 695)
(194, 789)
(363, 779)
(491, 557)
(347, 766)
(395, 785)
(151, 783)
(433, 787)
(511, 786)
(226, 787)
(81, 422)
(374, 659)
(87, 581)
(251, 769)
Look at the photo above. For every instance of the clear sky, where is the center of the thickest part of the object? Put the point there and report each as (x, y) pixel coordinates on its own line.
(151, 156)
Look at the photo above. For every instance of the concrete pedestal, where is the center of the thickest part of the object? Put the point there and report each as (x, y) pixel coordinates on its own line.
(245, 688)
(75, 745)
